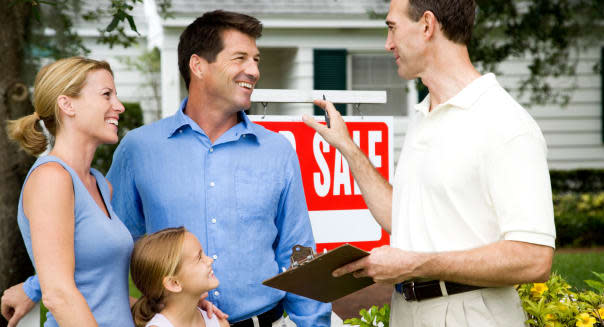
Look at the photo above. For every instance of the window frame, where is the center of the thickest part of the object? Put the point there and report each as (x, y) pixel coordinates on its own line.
(410, 87)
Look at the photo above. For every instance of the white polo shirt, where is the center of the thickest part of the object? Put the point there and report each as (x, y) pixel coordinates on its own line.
(473, 171)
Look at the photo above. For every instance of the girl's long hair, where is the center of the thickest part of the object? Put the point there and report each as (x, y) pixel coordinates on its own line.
(154, 257)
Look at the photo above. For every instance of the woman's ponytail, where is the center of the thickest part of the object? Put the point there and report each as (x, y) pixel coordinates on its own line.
(63, 77)
(27, 132)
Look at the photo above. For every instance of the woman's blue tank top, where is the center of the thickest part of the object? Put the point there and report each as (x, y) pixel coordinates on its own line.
(102, 248)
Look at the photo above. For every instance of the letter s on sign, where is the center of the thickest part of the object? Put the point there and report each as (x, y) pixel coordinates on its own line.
(321, 188)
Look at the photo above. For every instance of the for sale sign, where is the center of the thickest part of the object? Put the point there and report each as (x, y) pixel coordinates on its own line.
(337, 211)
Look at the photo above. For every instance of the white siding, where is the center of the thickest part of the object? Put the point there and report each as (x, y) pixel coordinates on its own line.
(131, 85)
(573, 133)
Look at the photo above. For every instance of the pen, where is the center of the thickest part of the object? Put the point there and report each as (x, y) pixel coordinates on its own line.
(326, 114)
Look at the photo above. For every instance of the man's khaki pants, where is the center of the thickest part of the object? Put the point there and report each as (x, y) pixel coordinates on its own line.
(480, 308)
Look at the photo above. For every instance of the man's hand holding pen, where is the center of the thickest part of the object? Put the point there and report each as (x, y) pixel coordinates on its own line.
(336, 132)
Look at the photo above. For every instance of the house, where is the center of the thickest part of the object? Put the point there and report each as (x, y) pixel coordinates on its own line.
(336, 44)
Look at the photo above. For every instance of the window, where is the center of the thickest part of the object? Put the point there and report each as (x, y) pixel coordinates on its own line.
(378, 72)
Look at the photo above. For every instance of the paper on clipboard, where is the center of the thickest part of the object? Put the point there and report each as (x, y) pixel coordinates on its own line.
(310, 275)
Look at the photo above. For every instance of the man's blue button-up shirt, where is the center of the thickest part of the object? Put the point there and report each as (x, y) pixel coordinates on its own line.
(241, 196)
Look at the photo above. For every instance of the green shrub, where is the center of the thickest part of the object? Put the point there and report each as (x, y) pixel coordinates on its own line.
(577, 181)
(556, 304)
(375, 316)
(130, 119)
(579, 219)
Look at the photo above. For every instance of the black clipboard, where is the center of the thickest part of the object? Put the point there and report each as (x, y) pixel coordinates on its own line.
(310, 274)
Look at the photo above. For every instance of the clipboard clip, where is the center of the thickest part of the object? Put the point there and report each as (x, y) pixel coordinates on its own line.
(301, 255)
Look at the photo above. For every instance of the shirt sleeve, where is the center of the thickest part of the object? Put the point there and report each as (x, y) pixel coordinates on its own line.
(126, 201)
(293, 224)
(32, 289)
(520, 190)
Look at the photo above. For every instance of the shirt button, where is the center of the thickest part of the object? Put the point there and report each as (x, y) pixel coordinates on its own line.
(243, 135)
(180, 131)
(216, 293)
(215, 257)
(211, 149)
(213, 220)
(212, 184)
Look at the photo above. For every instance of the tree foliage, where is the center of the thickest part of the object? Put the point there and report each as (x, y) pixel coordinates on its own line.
(551, 34)
(51, 32)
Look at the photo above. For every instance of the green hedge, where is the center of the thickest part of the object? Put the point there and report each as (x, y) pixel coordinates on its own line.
(577, 181)
(579, 219)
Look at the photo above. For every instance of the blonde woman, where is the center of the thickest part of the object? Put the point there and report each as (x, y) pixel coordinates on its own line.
(171, 270)
(78, 245)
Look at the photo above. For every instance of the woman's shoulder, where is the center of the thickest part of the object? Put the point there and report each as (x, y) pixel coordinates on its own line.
(50, 170)
(50, 174)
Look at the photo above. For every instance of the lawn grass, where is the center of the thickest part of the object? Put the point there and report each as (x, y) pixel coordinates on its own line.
(134, 292)
(577, 267)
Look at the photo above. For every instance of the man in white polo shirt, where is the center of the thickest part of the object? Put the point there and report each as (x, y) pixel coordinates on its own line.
(470, 211)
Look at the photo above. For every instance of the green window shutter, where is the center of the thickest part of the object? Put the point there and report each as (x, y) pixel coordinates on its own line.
(602, 91)
(422, 90)
(330, 73)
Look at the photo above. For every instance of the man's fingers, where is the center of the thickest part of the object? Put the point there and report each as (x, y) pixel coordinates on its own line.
(210, 310)
(7, 311)
(14, 320)
(354, 266)
(312, 123)
(327, 106)
(320, 103)
(360, 273)
(8, 315)
(220, 314)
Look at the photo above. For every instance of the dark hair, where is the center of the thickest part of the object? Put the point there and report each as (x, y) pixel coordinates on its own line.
(455, 16)
(204, 36)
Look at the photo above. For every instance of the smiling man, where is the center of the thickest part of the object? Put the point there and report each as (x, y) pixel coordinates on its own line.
(470, 212)
(232, 183)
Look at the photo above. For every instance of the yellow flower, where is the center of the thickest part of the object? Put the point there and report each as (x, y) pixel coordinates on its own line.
(538, 289)
(599, 199)
(601, 313)
(585, 320)
(550, 317)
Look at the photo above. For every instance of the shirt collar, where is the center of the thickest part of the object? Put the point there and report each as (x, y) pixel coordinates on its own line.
(465, 98)
(180, 120)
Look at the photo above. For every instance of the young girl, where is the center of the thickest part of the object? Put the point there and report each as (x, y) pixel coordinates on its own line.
(172, 272)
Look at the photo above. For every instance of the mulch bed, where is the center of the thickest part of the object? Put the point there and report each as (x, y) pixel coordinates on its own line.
(350, 305)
